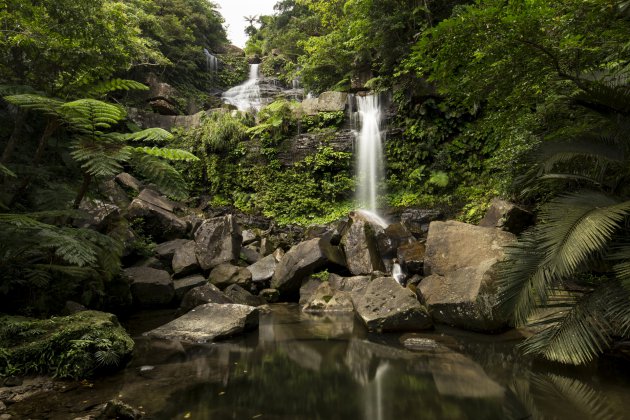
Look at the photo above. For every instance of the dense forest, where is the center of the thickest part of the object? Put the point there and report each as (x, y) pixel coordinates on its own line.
(524, 100)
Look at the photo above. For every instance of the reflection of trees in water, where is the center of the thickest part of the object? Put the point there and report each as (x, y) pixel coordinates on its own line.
(549, 396)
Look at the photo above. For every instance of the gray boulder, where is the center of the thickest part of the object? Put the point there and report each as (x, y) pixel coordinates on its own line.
(453, 245)
(327, 299)
(182, 286)
(417, 220)
(392, 237)
(185, 260)
(242, 296)
(227, 274)
(200, 295)
(348, 284)
(308, 288)
(158, 222)
(249, 236)
(361, 247)
(301, 261)
(462, 288)
(507, 216)
(270, 295)
(250, 255)
(218, 241)
(263, 269)
(151, 287)
(386, 306)
(166, 250)
(152, 197)
(99, 215)
(332, 101)
(209, 322)
(128, 181)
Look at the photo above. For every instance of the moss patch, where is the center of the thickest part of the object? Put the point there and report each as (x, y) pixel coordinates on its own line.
(74, 346)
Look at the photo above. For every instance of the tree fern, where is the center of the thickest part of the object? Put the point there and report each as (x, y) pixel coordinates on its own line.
(35, 102)
(167, 178)
(113, 85)
(168, 154)
(153, 135)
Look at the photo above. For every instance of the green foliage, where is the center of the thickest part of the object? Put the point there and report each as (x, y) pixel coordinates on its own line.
(322, 120)
(67, 347)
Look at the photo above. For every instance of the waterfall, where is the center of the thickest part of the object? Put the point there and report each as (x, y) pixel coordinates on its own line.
(370, 168)
(246, 97)
(212, 63)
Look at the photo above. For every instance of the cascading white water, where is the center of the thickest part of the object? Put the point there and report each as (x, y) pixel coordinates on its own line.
(370, 154)
(212, 63)
(246, 97)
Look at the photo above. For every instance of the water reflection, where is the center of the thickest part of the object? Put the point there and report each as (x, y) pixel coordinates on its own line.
(301, 366)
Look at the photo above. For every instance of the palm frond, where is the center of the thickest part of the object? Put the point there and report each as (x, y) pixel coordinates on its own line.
(113, 85)
(155, 135)
(168, 154)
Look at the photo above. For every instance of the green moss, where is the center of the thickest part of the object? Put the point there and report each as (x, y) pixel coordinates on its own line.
(75, 346)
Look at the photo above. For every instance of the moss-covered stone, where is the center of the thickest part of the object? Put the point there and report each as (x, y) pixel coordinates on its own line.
(74, 346)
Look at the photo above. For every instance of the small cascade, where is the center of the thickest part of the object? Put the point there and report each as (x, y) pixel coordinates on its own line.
(370, 167)
(212, 62)
(246, 96)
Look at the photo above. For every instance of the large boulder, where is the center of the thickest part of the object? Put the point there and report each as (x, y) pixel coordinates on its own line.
(185, 260)
(242, 296)
(348, 284)
(151, 287)
(332, 101)
(393, 237)
(152, 197)
(160, 223)
(200, 295)
(507, 216)
(99, 215)
(209, 322)
(303, 260)
(218, 241)
(129, 181)
(412, 255)
(386, 306)
(360, 246)
(166, 250)
(462, 288)
(264, 269)
(453, 245)
(417, 220)
(227, 274)
(182, 286)
(327, 299)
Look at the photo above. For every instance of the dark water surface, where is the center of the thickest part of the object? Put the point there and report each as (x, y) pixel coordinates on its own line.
(301, 366)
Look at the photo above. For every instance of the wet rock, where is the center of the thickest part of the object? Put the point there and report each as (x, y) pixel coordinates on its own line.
(150, 287)
(332, 101)
(226, 274)
(114, 193)
(116, 409)
(242, 296)
(166, 250)
(185, 260)
(218, 241)
(12, 381)
(270, 295)
(348, 284)
(264, 269)
(303, 260)
(99, 215)
(299, 147)
(152, 197)
(507, 216)
(391, 238)
(417, 220)
(163, 107)
(129, 181)
(208, 293)
(465, 298)
(423, 345)
(249, 236)
(183, 285)
(161, 224)
(209, 322)
(412, 256)
(307, 289)
(385, 306)
(453, 245)
(250, 255)
(327, 299)
(360, 247)
(151, 263)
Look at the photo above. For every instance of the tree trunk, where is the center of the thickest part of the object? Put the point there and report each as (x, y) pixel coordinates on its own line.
(20, 118)
(87, 178)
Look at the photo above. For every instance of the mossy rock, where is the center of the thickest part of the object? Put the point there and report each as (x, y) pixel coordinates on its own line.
(74, 346)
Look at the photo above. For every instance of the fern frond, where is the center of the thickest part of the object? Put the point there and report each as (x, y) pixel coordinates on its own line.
(69, 248)
(167, 178)
(6, 90)
(99, 157)
(155, 135)
(39, 103)
(168, 154)
(112, 85)
(91, 116)
(6, 171)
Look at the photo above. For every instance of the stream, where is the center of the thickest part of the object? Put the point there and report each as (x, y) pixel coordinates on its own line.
(305, 366)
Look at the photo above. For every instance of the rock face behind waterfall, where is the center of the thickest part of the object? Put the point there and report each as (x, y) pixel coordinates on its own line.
(461, 288)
